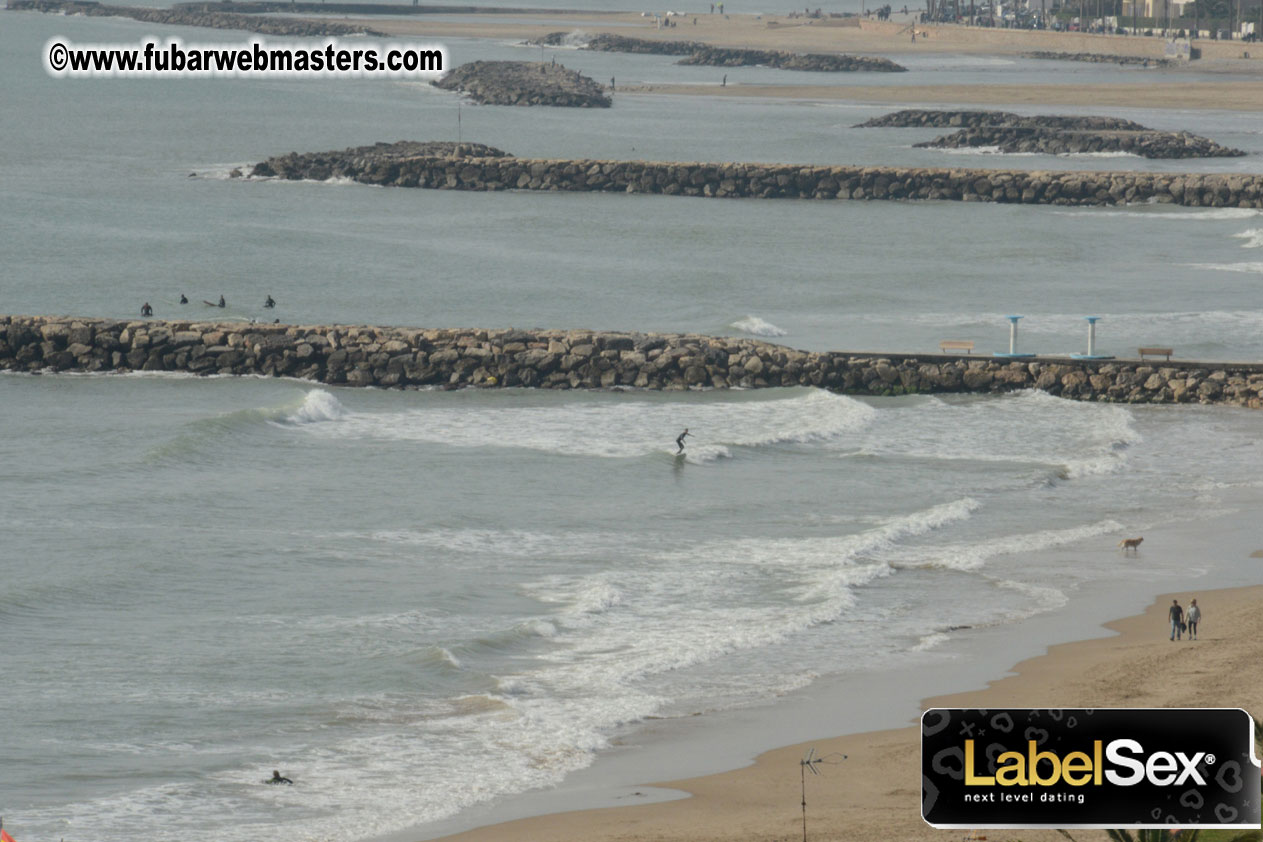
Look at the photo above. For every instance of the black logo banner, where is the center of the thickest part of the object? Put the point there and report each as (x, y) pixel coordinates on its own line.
(1089, 768)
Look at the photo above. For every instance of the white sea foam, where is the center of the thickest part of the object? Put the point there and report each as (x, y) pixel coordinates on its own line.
(1251, 267)
(973, 150)
(1113, 154)
(756, 326)
(930, 641)
(1030, 426)
(1164, 212)
(974, 556)
(318, 406)
(1253, 238)
(1046, 598)
(611, 426)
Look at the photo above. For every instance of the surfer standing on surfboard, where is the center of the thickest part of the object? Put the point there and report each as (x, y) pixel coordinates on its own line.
(679, 442)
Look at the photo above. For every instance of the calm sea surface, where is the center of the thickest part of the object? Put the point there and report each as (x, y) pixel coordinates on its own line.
(417, 603)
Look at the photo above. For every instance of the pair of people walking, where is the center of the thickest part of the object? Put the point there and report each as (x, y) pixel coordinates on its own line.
(1182, 621)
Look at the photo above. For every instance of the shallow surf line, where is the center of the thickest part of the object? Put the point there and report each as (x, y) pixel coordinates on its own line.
(680, 751)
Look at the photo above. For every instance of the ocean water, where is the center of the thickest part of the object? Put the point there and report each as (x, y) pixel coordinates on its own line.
(420, 604)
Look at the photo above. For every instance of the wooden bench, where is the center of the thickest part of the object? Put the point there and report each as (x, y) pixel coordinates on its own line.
(957, 345)
(1153, 352)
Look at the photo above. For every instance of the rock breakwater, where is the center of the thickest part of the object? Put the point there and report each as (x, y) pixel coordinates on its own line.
(524, 83)
(937, 119)
(397, 357)
(607, 43)
(1008, 133)
(818, 62)
(199, 16)
(368, 164)
(1099, 58)
(768, 181)
(1147, 144)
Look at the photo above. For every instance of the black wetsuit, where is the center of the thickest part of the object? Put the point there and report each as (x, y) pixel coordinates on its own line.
(679, 442)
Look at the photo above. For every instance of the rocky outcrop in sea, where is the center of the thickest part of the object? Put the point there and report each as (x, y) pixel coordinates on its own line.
(410, 358)
(1147, 144)
(199, 16)
(1099, 58)
(384, 165)
(937, 119)
(606, 43)
(819, 62)
(1052, 134)
(524, 83)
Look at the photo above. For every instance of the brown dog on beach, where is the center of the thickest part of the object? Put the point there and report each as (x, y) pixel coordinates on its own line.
(1132, 544)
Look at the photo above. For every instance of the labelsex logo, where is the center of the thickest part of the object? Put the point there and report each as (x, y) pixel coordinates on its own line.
(1162, 768)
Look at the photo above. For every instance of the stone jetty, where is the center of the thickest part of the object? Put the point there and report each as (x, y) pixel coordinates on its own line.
(367, 163)
(524, 83)
(782, 60)
(205, 16)
(606, 43)
(789, 181)
(400, 357)
(1099, 58)
(1052, 134)
(915, 118)
(1146, 144)
(696, 52)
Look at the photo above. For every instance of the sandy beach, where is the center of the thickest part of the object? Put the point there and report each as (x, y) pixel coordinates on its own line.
(893, 39)
(875, 792)
(777, 32)
(1225, 96)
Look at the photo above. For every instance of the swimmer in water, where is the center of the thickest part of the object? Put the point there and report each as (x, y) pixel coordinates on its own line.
(269, 303)
(183, 299)
(277, 779)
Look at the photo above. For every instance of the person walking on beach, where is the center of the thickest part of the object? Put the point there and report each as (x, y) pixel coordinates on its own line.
(1194, 617)
(679, 441)
(1176, 613)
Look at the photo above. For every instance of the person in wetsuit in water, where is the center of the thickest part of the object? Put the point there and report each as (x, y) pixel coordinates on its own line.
(277, 779)
(679, 442)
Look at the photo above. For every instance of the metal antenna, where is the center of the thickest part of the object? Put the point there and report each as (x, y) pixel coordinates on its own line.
(810, 761)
